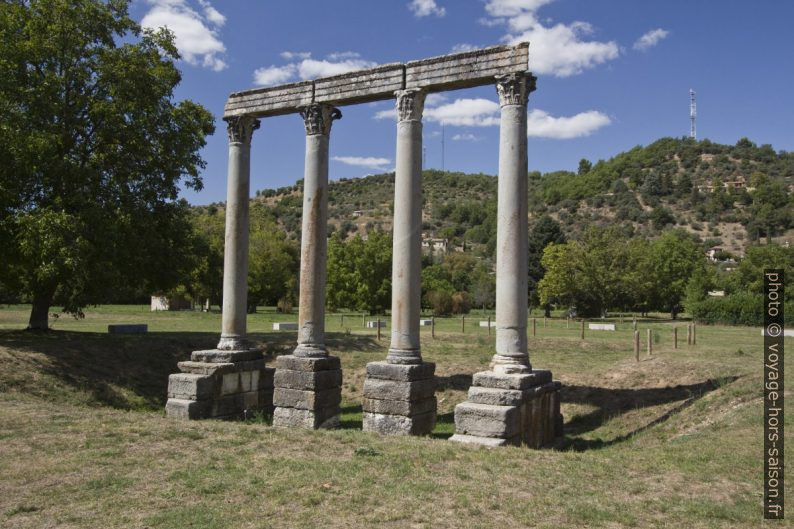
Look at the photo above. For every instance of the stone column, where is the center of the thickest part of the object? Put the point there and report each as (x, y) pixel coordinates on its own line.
(231, 381)
(511, 229)
(235, 252)
(399, 394)
(308, 383)
(511, 403)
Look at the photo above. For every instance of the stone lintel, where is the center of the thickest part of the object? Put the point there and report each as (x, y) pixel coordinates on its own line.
(299, 363)
(401, 372)
(446, 72)
(219, 356)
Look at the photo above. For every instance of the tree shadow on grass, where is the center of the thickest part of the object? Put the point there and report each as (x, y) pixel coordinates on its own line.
(126, 371)
(611, 402)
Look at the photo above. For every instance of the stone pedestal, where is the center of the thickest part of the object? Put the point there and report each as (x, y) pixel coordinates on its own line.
(510, 409)
(220, 384)
(399, 399)
(307, 392)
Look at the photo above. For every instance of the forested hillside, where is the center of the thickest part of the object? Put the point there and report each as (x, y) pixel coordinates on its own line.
(727, 195)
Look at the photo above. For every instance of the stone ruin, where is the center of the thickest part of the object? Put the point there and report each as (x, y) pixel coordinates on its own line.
(511, 403)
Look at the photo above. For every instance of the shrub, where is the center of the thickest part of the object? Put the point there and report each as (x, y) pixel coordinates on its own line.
(737, 309)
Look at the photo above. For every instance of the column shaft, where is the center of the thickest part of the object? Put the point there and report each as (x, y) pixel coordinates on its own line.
(407, 233)
(512, 354)
(314, 243)
(235, 254)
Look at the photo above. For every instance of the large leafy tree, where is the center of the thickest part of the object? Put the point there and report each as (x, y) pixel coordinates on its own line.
(93, 148)
(674, 259)
(544, 232)
(359, 272)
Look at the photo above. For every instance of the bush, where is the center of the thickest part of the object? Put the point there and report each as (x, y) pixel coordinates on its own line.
(441, 302)
(461, 303)
(737, 309)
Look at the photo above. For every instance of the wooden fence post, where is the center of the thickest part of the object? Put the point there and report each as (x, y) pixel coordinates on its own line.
(675, 337)
(534, 330)
(637, 345)
(650, 342)
(432, 326)
(582, 329)
(489, 325)
(694, 333)
(378, 324)
(463, 324)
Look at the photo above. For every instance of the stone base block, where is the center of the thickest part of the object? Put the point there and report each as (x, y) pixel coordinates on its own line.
(485, 441)
(311, 419)
(212, 386)
(388, 424)
(399, 399)
(307, 392)
(518, 409)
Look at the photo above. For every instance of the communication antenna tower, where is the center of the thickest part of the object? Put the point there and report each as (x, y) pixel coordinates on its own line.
(692, 115)
(442, 146)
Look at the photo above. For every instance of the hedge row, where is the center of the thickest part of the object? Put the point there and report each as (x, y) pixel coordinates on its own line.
(736, 309)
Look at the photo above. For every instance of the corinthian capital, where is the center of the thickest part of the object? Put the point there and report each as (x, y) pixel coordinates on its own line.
(318, 118)
(410, 104)
(241, 128)
(514, 88)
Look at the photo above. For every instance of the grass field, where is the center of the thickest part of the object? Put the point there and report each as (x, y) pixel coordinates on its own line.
(671, 441)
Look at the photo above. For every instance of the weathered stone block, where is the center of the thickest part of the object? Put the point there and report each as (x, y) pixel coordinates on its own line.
(217, 356)
(488, 442)
(489, 379)
(298, 363)
(306, 399)
(312, 419)
(496, 396)
(313, 380)
(398, 390)
(387, 424)
(361, 86)
(487, 421)
(271, 101)
(187, 409)
(408, 408)
(191, 387)
(401, 372)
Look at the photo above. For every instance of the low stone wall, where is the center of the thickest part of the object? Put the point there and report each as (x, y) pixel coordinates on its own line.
(515, 409)
(221, 385)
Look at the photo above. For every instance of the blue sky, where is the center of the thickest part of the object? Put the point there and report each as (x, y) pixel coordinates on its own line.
(612, 74)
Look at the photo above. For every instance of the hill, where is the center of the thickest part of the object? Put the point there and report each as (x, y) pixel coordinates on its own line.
(727, 195)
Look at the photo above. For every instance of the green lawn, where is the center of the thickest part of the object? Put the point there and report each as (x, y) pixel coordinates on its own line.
(671, 441)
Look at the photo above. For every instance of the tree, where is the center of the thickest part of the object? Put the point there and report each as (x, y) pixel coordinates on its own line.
(93, 149)
(359, 272)
(544, 232)
(585, 166)
(674, 258)
(273, 262)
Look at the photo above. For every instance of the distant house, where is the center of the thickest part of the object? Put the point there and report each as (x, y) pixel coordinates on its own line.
(716, 293)
(712, 252)
(435, 245)
(739, 183)
(170, 303)
(357, 213)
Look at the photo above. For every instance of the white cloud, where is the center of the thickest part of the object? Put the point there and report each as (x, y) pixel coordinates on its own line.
(542, 125)
(274, 75)
(304, 67)
(485, 113)
(463, 47)
(432, 100)
(311, 68)
(290, 55)
(559, 49)
(466, 137)
(196, 34)
(650, 39)
(423, 8)
(369, 162)
(509, 8)
(465, 113)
